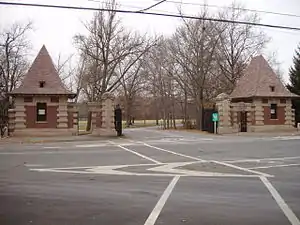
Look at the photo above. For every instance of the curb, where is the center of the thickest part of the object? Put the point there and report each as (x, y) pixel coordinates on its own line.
(30, 141)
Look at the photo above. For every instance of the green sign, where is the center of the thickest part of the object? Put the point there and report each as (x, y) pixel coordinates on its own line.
(215, 117)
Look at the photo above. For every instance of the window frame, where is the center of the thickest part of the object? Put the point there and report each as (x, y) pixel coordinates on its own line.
(273, 116)
(41, 106)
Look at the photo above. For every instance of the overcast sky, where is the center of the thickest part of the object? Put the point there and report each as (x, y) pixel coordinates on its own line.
(56, 27)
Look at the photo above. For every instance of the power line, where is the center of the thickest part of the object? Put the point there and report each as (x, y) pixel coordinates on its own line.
(234, 8)
(129, 6)
(152, 6)
(152, 13)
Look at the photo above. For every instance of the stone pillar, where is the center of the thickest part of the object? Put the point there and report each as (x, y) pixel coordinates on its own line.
(293, 118)
(259, 112)
(289, 114)
(223, 106)
(11, 121)
(62, 113)
(73, 118)
(235, 122)
(102, 121)
(20, 122)
(108, 126)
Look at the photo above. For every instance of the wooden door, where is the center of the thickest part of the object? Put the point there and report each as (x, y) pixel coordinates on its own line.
(243, 121)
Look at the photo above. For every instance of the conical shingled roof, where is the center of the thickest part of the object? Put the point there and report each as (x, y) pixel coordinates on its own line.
(42, 70)
(258, 80)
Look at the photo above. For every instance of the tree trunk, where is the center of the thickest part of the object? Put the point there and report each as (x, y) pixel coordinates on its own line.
(174, 120)
(168, 122)
(128, 112)
(199, 112)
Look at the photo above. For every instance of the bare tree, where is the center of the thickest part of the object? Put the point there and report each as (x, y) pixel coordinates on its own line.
(160, 82)
(77, 76)
(193, 48)
(14, 47)
(272, 59)
(132, 84)
(107, 45)
(238, 44)
(64, 67)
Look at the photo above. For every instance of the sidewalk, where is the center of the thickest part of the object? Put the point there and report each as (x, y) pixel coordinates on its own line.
(264, 134)
(28, 140)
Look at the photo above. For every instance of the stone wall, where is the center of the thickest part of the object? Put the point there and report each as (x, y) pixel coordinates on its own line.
(102, 121)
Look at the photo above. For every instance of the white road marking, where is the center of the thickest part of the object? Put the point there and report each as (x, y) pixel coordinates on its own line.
(107, 173)
(164, 169)
(262, 159)
(90, 146)
(161, 202)
(218, 162)
(274, 166)
(175, 153)
(140, 155)
(60, 152)
(91, 167)
(281, 203)
(52, 147)
(26, 153)
(244, 169)
(286, 138)
(171, 168)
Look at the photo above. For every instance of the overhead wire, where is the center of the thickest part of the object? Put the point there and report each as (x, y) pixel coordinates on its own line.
(234, 8)
(129, 6)
(150, 13)
(152, 6)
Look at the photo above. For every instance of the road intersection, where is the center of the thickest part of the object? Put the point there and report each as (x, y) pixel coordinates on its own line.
(153, 178)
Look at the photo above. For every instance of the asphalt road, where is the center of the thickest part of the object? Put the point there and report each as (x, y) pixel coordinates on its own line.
(152, 177)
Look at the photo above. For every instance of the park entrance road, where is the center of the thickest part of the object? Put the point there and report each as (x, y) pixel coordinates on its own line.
(152, 177)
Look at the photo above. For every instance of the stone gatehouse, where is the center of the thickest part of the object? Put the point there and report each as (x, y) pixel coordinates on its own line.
(260, 102)
(41, 102)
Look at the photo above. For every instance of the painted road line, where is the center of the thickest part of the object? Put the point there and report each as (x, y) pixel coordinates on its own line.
(262, 159)
(283, 138)
(280, 201)
(140, 155)
(59, 152)
(91, 167)
(52, 147)
(172, 168)
(243, 169)
(161, 202)
(175, 153)
(165, 169)
(274, 166)
(26, 153)
(91, 146)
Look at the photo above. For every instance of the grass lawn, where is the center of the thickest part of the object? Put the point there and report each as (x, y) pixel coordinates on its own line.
(137, 123)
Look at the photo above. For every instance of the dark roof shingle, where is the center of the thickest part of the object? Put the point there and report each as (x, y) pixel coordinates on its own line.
(258, 80)
(42, 70)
